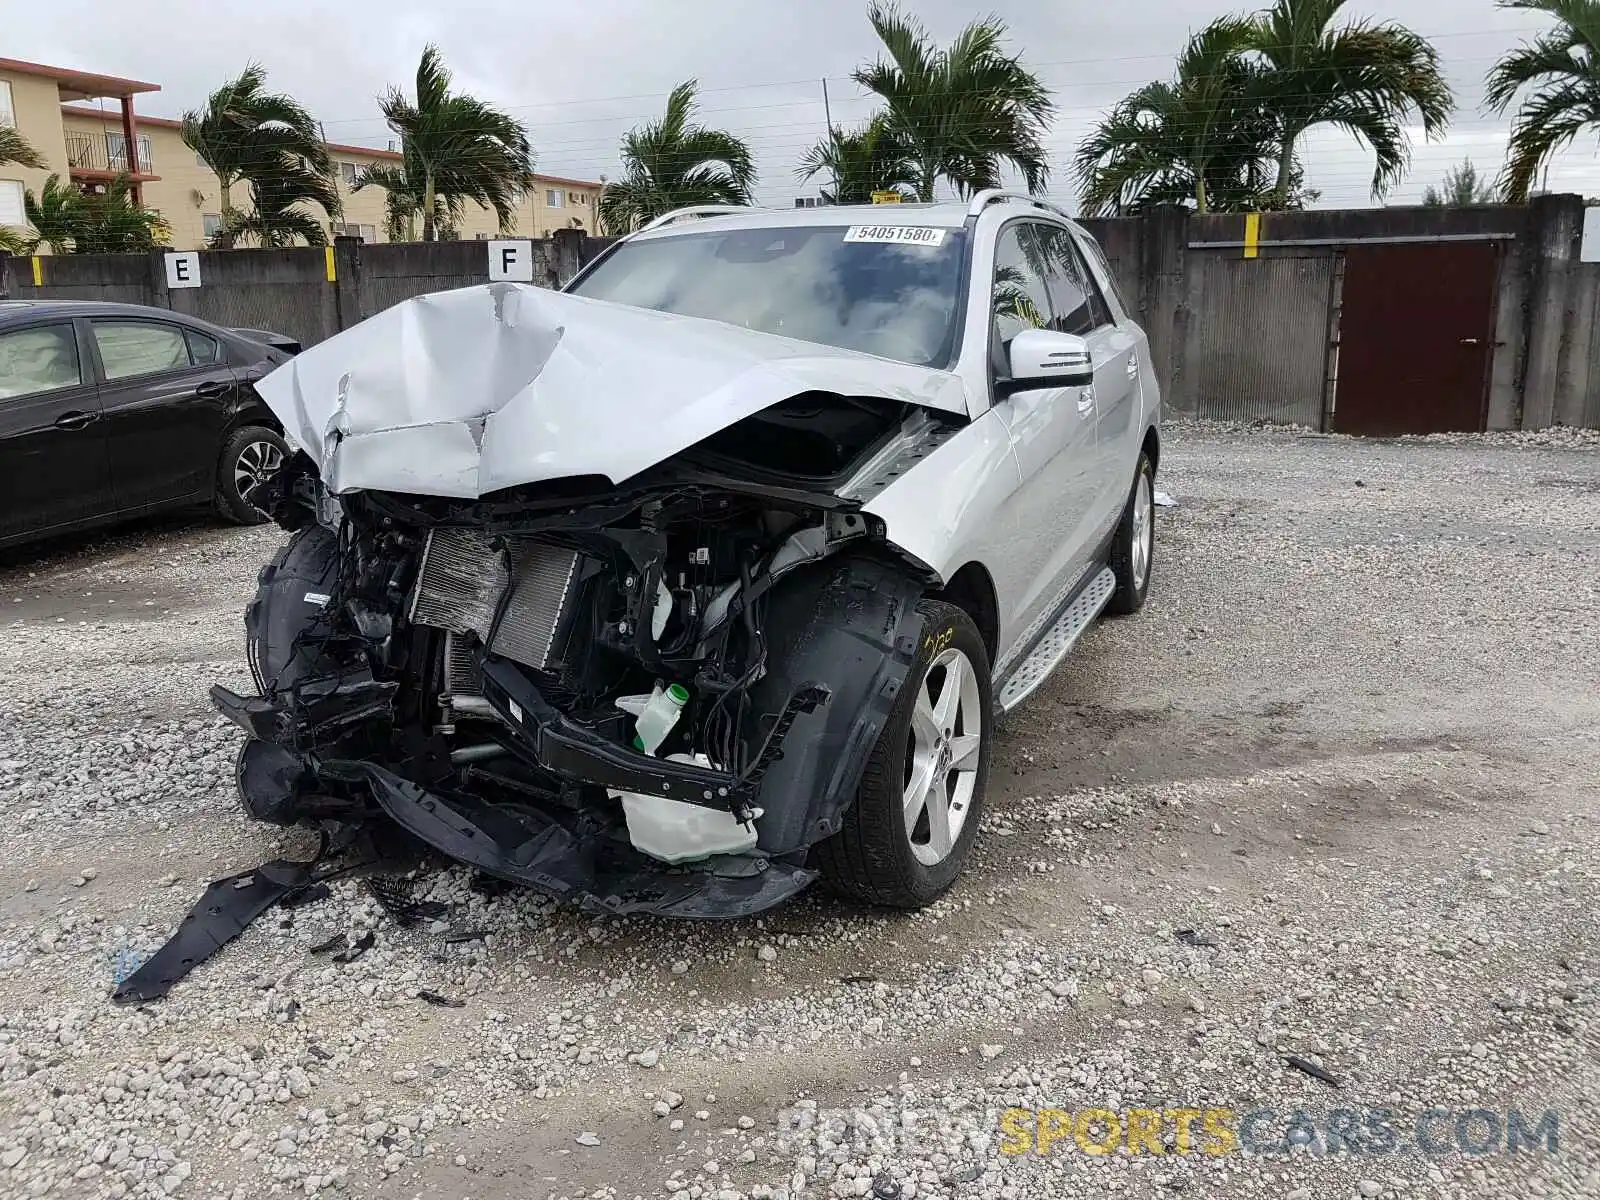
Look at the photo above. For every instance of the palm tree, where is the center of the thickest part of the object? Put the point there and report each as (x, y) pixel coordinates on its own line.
(56, 214)
(113, 222)
(1204, 137)
(964, 112)
(867, 160)
(453, 148)
(1462, 187)
(247, 133)
(109, 222)
(672, 163)
(278, 214)
(1364, 77)
(14, 148)
(1561, 67)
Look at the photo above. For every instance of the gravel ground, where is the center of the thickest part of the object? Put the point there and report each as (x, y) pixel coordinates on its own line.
(1350, 750)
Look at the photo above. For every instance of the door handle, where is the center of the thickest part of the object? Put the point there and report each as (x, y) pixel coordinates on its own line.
(75, 420)
(1469, 341)
(211, 388)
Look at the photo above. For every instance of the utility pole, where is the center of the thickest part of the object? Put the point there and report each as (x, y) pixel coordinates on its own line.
(827, 113)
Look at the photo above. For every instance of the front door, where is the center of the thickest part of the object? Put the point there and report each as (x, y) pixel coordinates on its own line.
(1053, 435)
(1416, 337)
(54, 471)
(1081, 308)
(166, 396)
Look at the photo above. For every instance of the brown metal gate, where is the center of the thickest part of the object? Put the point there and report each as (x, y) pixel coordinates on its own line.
(1416, 336)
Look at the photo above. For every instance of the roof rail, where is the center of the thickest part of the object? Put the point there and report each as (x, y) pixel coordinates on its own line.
(694, 210)
(982, 200)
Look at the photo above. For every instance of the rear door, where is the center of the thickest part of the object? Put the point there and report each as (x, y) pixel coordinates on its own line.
(54, 472)
(166, 392)
(1053, 435)
(1081, 308)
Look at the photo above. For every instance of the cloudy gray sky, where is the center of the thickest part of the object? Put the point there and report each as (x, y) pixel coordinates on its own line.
(579, 72)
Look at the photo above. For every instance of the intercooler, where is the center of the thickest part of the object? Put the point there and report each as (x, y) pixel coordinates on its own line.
(514, 593)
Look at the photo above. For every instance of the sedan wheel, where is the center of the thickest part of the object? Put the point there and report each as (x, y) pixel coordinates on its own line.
(257, 460)
(251, 455)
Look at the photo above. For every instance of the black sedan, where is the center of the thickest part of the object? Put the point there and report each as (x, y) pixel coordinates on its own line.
(110, 411)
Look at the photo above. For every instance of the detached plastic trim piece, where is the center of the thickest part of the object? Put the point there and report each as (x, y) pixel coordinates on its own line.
(227, 908)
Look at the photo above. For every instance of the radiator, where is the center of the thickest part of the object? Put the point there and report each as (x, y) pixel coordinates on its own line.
(459, 583)
(541, 589)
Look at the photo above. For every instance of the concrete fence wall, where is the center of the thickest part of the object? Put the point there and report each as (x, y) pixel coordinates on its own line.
(1249, 327)
(309, 293)
(1246, 317)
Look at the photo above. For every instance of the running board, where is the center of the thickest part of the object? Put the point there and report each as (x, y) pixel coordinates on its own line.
(1058, 640)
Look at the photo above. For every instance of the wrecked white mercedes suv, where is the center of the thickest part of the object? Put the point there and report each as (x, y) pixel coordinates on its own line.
(709, 575)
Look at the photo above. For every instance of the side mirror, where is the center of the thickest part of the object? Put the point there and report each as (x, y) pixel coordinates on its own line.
(1043, 358)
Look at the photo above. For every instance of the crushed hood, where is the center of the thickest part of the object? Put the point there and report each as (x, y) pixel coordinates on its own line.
(465, 392)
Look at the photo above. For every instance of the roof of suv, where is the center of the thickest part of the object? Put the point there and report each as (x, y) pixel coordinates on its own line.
(945, 214)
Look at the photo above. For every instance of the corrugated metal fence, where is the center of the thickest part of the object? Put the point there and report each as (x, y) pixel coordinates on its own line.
(1256, 341)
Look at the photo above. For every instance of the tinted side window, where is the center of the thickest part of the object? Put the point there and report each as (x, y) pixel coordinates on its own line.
(203, 350)
(1021, 300)
(129, 348)
(1099, 255)
(43, 359)
(1078, 304)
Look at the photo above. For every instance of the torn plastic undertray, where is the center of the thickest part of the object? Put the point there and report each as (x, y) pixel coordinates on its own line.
(223, 912)
(536, 850)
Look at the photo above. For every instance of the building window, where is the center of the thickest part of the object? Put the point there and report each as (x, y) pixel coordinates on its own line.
(367, 233)
(200, 161)
(575, 198)
(210, 225)
(348, 172)
(11, 212)
(552, 198)
(8, 114)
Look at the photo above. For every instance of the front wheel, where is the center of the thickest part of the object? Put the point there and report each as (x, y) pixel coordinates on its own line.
(916, 813)
(251, 454)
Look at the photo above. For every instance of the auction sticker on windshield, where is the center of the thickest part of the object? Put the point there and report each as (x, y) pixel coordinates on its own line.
(913, 235)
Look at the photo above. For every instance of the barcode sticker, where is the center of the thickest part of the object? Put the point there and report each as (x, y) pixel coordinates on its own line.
(905, 235)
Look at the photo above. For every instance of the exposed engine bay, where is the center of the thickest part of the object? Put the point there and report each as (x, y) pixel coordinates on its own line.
(649, 697)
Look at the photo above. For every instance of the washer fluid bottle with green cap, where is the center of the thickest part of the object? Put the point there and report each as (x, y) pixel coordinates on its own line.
(660, 714)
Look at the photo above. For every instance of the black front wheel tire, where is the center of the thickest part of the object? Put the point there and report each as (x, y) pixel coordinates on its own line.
(916, 812)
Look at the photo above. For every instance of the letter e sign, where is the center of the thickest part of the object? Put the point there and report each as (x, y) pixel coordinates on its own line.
(511, 261)
(183, 269)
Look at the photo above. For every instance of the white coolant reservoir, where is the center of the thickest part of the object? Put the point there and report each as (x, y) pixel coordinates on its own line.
(659, 715)
(675, 832)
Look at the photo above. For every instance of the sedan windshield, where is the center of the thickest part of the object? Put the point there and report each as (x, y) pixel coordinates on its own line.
(885, 290)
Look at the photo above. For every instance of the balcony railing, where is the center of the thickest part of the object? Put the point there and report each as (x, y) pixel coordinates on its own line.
(107, 152)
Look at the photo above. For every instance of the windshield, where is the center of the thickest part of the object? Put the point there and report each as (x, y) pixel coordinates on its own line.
(851, 287)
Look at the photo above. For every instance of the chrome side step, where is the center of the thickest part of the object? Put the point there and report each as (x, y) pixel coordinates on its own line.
(1058, 640)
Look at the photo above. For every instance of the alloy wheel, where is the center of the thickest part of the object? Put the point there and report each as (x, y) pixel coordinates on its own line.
(946, 744)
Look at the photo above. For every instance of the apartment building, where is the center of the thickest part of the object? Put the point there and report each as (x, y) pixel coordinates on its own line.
(82, 124)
